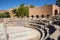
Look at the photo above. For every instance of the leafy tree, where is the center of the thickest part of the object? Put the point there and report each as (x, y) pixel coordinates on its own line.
(7, 14)
(31, 6)
(17, 13)
(22, 4)
(14, 11)
(22, 11)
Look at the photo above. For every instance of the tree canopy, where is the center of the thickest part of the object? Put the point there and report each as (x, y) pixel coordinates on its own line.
(21, 11)
(31, 6)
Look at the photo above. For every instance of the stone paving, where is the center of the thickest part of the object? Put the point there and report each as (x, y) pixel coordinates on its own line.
(18, 33)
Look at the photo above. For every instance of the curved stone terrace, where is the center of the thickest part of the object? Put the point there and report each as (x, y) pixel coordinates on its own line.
(29, 29)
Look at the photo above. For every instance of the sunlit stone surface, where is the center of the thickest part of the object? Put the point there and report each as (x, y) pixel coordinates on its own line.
(19, 33)
(2, 32)
(30, 29)
(22, 33)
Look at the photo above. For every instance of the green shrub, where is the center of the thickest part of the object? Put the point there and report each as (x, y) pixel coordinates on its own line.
(5, 15)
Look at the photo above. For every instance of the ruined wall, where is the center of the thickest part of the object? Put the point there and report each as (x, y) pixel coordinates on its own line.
(45, 10)
(55, 8)
(2, 11)
(10, 11)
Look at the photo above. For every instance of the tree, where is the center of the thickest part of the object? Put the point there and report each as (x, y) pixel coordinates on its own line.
(22, 4)
(31, 6)
(7, 14)
(22, 11)
(14, 11)
(58, 3)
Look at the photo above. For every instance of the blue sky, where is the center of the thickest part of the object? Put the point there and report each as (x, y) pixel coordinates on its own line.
(7, 4)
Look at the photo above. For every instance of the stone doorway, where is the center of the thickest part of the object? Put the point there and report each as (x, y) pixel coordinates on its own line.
(42, 16)
(56, 12)
(32, 16)
(37, 16)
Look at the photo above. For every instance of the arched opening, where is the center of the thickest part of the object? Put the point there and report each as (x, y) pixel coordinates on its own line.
(56, 12)
(42, 16)
(32, 16)
(37, 16)
(27, 16)
(47, 16)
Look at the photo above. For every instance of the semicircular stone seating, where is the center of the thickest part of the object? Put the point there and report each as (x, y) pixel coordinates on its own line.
(30, 29)
(44, 33)
(22, 33)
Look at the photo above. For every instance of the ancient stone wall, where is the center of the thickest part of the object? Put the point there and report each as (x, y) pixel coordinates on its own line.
(55, 8)
(2, 11)
(11, 13)
(45, 10)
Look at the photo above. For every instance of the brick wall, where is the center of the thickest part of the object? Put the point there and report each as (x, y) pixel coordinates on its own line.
(44, 10)
(54, 7)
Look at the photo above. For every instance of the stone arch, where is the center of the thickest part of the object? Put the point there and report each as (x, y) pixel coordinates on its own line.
(37, 16)
(27, 16)
(55, 12)
(32, 16)
(48, 16)
(42, 16)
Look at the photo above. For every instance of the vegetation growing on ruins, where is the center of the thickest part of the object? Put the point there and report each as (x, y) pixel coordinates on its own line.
(22, 10)
(5, 15)
(32, 6)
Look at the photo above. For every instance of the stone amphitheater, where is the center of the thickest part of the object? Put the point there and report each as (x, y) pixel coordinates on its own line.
(30, 28)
